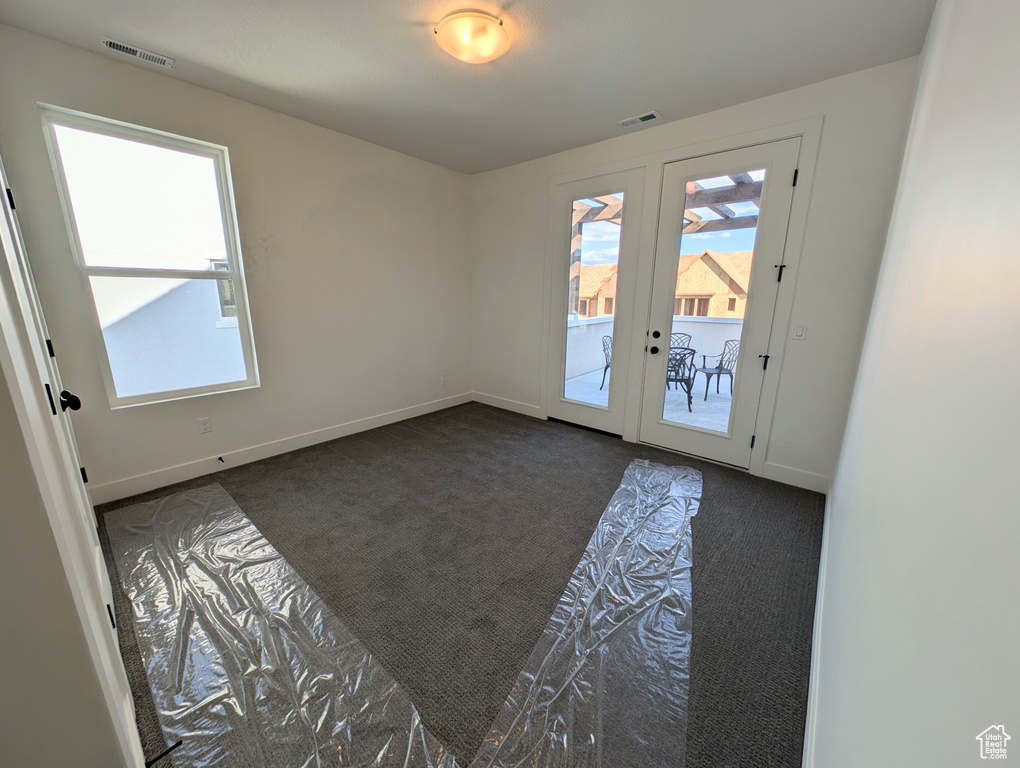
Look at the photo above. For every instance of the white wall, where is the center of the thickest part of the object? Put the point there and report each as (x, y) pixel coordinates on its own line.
(52, 710)
(356, 259)
(372, 275)
(920, 619)
(865, 122)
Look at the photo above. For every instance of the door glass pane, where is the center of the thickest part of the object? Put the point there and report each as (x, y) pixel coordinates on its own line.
(591, 297)
(141, 206)
(164, 335)
(712, 284)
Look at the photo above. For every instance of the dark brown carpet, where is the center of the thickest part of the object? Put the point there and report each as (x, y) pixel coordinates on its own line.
(444, 542)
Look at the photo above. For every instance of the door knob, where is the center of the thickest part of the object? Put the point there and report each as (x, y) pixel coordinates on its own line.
(653, 350)
(69, 400)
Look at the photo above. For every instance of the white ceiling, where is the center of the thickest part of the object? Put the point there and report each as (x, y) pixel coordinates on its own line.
(371, 69)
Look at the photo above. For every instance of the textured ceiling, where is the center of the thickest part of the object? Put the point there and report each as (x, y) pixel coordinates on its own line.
(370, 68)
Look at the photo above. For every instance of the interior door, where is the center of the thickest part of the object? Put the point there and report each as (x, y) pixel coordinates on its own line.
(61, 402)
(594, 254)
(718, 265)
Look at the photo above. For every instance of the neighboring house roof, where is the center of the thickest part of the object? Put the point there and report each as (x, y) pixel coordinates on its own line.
(594, 277)
(735, 264)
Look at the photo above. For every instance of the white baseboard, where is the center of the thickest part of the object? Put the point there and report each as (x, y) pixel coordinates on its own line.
(797, 477)
(811, 722)
(509, 405)
(119, 489)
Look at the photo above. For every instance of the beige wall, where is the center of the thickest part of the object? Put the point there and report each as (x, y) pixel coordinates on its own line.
(865, 122)
(52, 710)
(916, 649)
(356, 258)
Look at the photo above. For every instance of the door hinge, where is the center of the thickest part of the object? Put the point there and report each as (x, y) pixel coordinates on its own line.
(49, 396)
(780, 267)
(109, 611)
(84, 475)
(796, 173)
(752, 441)
(765, 365)
(10, 198)
(49, 348)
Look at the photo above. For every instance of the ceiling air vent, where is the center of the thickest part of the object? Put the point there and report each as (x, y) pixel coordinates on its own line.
(647, 117)
(139, 53)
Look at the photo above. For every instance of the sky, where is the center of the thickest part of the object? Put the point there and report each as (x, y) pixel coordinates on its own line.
(600, 242)
(731, 240)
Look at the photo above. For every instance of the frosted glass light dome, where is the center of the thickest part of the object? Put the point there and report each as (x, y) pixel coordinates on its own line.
(472, 37)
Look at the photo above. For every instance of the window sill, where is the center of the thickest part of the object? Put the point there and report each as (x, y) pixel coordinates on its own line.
(184, 394)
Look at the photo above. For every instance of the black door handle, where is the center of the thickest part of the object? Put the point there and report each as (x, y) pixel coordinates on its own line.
(68, 400)
(654, 350)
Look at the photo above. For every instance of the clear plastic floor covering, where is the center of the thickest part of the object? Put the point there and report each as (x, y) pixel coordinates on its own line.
(246, 664)
(249, 668)
(606, 686)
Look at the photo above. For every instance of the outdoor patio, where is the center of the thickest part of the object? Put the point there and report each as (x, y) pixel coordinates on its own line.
(713, 413)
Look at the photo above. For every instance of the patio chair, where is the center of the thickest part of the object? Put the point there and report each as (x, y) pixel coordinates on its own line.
(676, 341)
(725, 367)
(681, 370)
(607, 348)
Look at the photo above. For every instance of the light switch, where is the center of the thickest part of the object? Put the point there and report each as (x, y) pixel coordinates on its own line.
(800, 332)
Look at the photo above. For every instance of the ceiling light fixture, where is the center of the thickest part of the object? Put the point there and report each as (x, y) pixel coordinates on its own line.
(472, 36)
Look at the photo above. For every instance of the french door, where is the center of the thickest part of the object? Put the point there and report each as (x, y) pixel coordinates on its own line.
(596, 223)
(718, 262)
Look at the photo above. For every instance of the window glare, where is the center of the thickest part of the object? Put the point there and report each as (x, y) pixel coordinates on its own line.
(141, 206)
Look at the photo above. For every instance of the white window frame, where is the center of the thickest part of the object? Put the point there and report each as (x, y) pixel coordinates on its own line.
(57, 116)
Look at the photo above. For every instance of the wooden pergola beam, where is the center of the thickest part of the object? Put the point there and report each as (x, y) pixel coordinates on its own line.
(738, 193)
(611, 210)
(720, 225)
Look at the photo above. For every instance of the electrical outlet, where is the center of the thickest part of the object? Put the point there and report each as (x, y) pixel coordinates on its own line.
(205, 425)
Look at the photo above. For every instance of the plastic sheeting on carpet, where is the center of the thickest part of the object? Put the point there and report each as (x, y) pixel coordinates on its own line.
(607, 683)
(246, 664)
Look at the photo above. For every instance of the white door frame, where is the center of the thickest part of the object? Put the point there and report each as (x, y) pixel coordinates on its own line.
(631, 183)
(809, 130)
(735, 444)
(56, 474)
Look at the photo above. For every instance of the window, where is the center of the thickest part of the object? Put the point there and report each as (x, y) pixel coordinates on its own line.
(153, 229)
(583, 309)
(731, 305)
(691, 306)
(609, 306)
